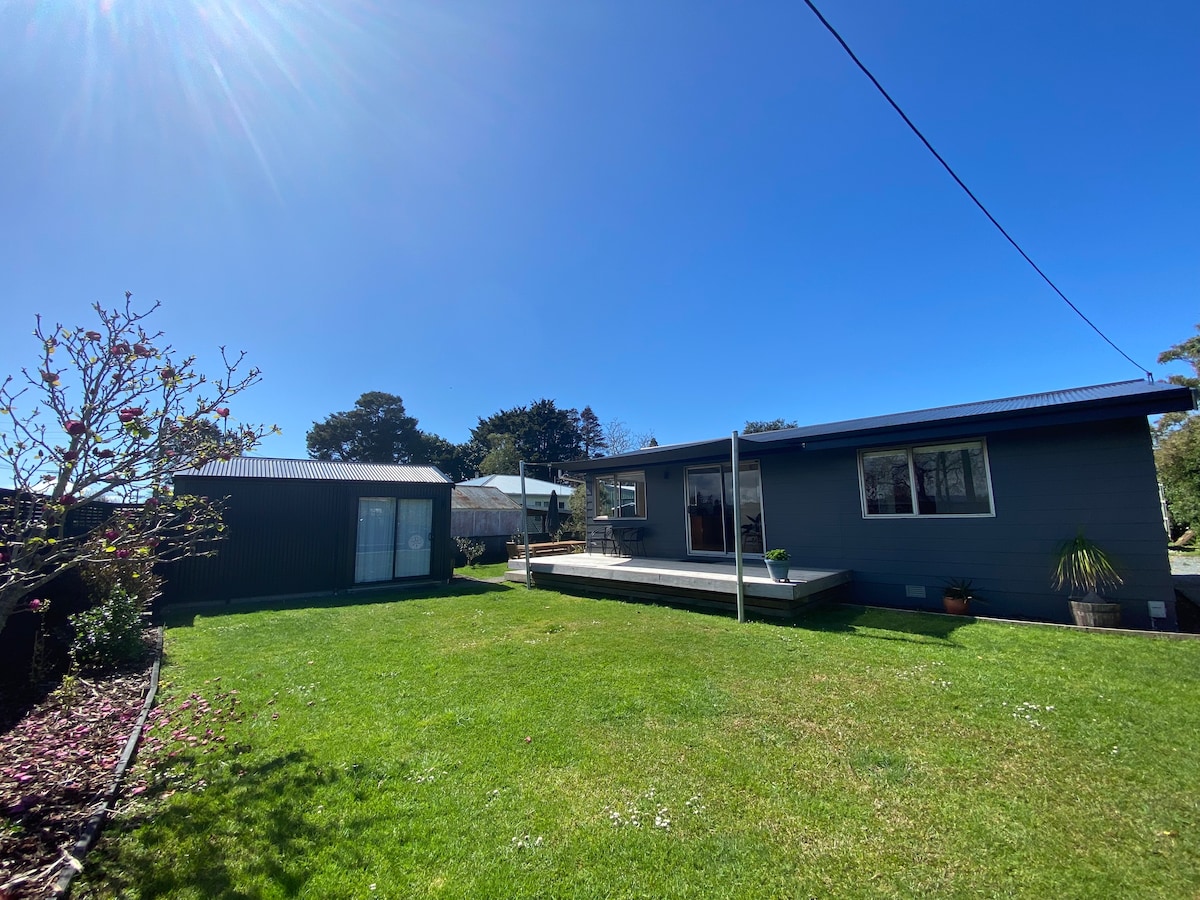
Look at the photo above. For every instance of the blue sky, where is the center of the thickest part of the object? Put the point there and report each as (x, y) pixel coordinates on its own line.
(685, 214)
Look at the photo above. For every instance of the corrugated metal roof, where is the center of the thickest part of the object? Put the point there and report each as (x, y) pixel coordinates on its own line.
(1048, 401)
(317, 470)
(475, 497)
(1116, 400)
(511, 484)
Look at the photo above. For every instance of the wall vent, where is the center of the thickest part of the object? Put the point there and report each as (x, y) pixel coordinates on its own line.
(914, 591)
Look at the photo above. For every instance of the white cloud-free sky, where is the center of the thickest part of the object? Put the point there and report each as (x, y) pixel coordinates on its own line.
(683, 214)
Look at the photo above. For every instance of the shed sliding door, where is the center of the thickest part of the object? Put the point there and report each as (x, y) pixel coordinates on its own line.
(413, 532)
(393, 540)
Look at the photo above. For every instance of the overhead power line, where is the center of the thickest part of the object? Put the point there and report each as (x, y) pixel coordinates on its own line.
(974, 199)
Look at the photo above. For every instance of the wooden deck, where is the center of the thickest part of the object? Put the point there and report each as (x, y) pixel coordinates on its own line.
(699, 583)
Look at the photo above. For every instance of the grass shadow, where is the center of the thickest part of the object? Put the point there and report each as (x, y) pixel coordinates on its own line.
(241, 823)
(185, 616)
(904, 625)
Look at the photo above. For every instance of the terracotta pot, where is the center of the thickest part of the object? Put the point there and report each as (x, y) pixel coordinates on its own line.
(956, 606)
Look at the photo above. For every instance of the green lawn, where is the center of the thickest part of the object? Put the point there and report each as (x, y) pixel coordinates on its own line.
(489, 741)
(488, 570)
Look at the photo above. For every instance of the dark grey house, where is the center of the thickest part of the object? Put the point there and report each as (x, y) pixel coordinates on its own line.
(984, 491)
(303, 526)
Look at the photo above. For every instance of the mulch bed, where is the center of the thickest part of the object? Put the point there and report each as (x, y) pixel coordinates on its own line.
(57, 760)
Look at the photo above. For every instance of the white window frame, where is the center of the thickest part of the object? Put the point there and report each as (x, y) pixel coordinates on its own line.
(633, 475)
(908, 450)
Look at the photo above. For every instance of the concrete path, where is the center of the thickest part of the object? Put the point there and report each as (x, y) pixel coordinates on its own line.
(1185, 563)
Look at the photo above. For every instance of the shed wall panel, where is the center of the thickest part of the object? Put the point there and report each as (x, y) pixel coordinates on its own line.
(293, 537)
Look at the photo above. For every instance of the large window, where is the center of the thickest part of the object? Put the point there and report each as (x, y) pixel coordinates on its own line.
(621, 496)
(935, 480)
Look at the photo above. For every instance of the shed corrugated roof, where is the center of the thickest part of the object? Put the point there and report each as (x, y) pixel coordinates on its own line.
(476, 497)
(1116, 400)
(317, 470)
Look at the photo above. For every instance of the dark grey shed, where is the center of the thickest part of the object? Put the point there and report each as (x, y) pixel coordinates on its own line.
(309, 527)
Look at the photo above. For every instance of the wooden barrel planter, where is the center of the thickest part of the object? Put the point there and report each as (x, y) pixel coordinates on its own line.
(1096, 615)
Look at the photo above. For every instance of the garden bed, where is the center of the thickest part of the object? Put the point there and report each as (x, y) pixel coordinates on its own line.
(57, 760)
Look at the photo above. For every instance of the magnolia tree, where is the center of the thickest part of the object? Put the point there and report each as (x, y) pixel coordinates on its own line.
(110, 413)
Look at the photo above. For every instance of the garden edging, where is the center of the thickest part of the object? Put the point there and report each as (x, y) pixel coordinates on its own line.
(72, 862)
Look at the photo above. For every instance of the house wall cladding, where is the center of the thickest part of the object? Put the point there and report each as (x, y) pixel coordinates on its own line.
(291, 536)
(1047, 483)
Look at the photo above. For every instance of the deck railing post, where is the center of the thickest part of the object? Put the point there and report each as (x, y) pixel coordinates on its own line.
(737, 532)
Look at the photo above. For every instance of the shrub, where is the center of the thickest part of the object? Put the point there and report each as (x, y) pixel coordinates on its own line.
(134, 575)
(472, 550)
(109, 635)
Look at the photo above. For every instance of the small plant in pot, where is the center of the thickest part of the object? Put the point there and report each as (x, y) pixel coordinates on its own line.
(1086, 570)
(777, 564)
(957, 596)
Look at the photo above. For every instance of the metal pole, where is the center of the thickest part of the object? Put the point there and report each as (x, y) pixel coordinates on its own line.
(737, 532)
(525, 528)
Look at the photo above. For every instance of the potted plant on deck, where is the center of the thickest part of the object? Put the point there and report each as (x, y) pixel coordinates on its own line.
(1087, 570)
(777, 564)
(957, 596)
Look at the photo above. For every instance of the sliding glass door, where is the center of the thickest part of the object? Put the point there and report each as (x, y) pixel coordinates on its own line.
(711, 510)
(412, 537)
(394, 538)
(376, 532)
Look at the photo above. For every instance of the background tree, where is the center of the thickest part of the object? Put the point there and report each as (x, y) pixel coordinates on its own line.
(618, 438)
(758, 427)
(377, 430)
(503, 458)
(541, 432)
(577, 509)
(1177, 442)
(447, 456)
(591, 433)
(111, 410)
(1178, 460)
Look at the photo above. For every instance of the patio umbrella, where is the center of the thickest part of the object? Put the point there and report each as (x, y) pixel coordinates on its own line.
(552, 513)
